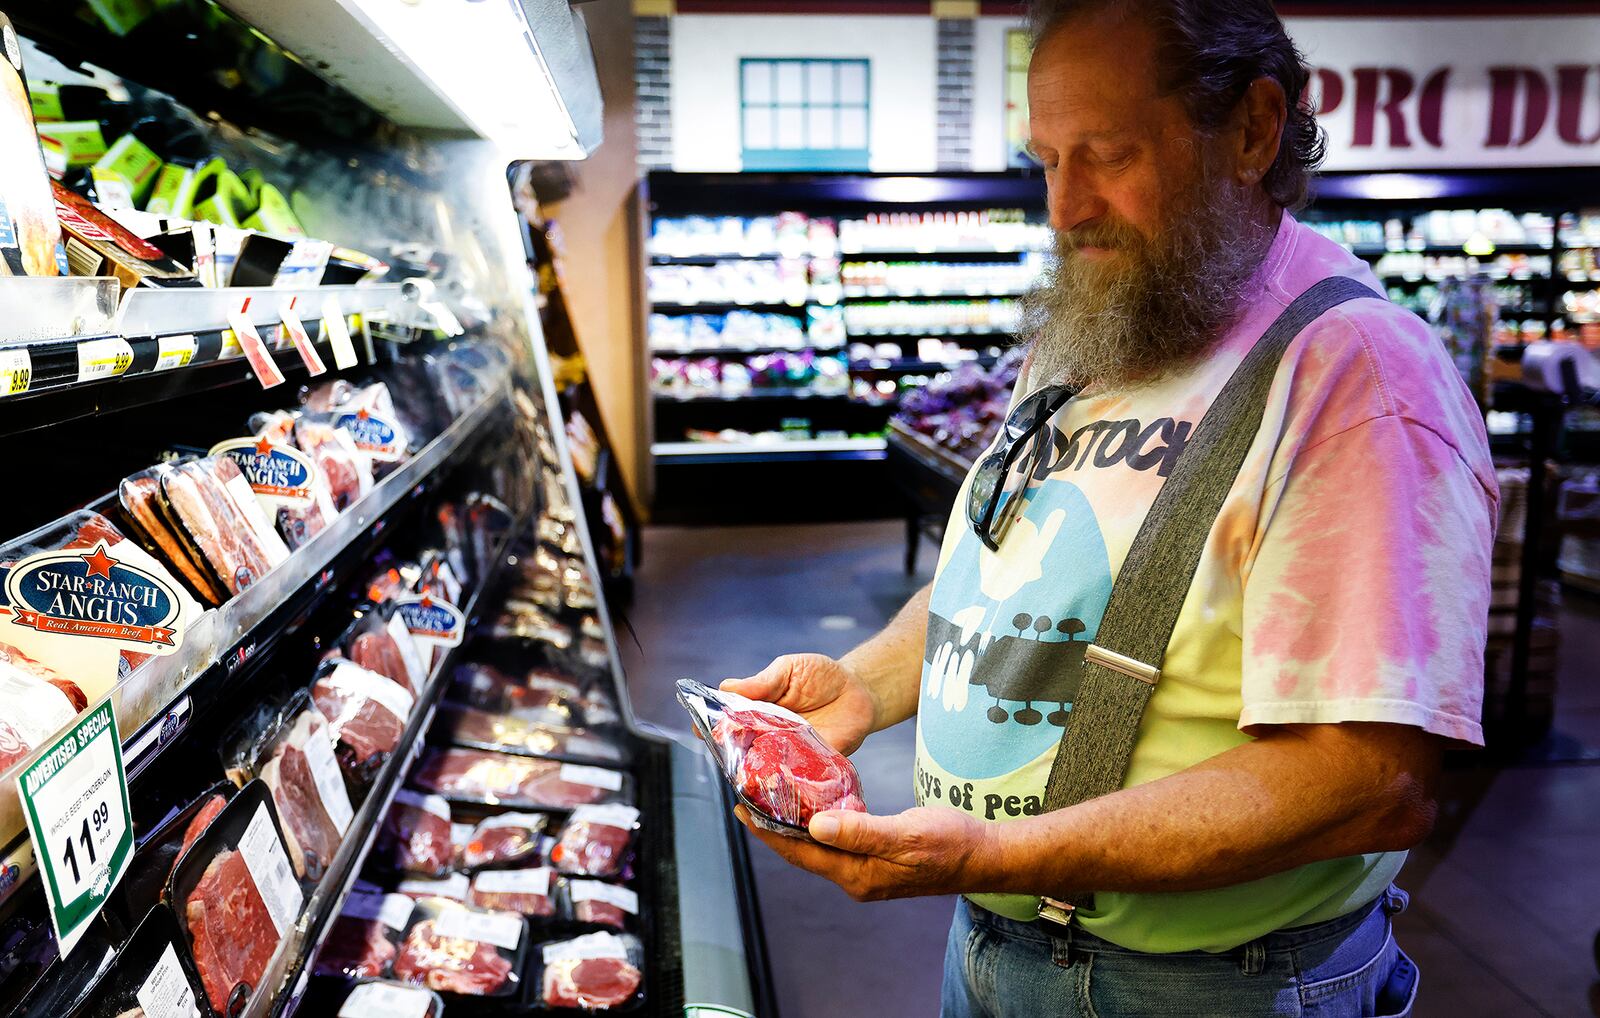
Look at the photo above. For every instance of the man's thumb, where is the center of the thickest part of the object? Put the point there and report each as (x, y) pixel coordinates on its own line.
(850, 831)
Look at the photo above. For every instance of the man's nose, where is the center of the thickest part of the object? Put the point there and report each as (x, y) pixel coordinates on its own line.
(1072, 200)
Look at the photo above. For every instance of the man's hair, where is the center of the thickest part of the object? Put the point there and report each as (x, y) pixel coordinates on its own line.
(1208, 52)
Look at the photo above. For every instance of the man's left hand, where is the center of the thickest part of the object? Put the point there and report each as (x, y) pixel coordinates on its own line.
(927, 850)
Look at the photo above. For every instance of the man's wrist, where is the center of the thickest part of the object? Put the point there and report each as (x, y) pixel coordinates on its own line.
(876, 722)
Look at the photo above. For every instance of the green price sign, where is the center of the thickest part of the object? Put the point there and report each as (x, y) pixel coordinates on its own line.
(75, 797)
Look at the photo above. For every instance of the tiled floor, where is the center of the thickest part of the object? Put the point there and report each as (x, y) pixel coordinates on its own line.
(1506, 894)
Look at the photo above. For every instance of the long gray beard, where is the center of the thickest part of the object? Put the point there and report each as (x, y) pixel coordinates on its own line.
(1124, 326)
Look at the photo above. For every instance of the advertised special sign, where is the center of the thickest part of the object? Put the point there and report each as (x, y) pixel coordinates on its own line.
(75, 798)
(432, 621)
(1451, 92)
(95, 596)
(280, 475)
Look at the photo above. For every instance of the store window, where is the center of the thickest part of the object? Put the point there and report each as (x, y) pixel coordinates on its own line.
(1017, 54)
(801, 114)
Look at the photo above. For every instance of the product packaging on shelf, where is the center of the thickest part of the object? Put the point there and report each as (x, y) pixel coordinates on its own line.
(455, 949)
(499, 779)
(379, 642)
(152, 520)
(595, 840)
(530, 891)
(594, 972)
(366, 714)
(599, 903)
(98, 245)
(779, 767)
(362, 941)
(30, 235)
(415, 836)
(152, 975)
(503, 839)
(159, 852)
(480, 729)
(379, 998)
(487, 688)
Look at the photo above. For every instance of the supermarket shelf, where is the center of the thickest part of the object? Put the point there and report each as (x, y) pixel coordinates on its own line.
(714, 259)
(884, 293)
(917, 364)
(980, 254)
(754, 394)
(1451, 250)
(40, 309)
(952, 332)
(749, 452)
(730, 351)
(713, 307)
(150, 312)
(211, 668)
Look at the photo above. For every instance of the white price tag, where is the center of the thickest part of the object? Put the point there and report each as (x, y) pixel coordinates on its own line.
(338, 333)
(598, 890)
(530, 881)
(268, 864)
(296, 331)
(16, 372)
(410, 653)
(611, 814)
(369, 685)
(434, 804)
(386, 1000)
(330, 783)
(75, 798)
(266, 535)
(166, 993)
(103, 358)
(501, 929)
(455, 887)
(255, 349)
(175, 351)
(594, 777)
(460, 834)
(393, 910)
(590, 945)
(531, 821)
(584, 745)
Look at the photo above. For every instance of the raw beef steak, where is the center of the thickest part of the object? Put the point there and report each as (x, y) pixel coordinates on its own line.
(784, 768)
(198, 824)
(355, 947)
(310, 834)
(415, 839)
(589, 983)
(375, 650)
(498, 777)
(450, 964)
(230, 929)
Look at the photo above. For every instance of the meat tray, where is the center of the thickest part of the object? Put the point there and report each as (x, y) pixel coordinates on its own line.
(157, 854)
(151, 970)
(462, 952)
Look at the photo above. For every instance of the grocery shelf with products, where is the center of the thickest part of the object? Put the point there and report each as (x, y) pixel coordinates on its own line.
(313, 701)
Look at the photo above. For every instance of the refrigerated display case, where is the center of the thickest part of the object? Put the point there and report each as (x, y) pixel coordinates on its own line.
(298, 592)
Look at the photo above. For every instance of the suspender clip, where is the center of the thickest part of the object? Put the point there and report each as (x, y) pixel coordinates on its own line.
(1122, 664)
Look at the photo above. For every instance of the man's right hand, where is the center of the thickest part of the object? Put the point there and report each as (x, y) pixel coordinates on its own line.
(823, 691)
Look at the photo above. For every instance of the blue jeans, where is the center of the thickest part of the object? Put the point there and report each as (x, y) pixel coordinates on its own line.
(1349, 967)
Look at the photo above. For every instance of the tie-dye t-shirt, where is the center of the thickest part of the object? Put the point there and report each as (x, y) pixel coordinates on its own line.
(1346, 579)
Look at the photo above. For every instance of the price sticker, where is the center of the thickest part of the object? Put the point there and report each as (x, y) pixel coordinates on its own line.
(75, 799)
(296, 331)
(16, 372)
(166, 993)
(255, 349)
(103, 358)
(175, 351)
(338, 333)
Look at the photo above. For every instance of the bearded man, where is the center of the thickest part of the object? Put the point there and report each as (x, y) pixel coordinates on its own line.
(1329, 643)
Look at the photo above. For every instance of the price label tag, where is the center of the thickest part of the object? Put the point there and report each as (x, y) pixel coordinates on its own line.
(16, 372)
(385, 1000)
(296, 331)
(75, 799)
(175, 351)
(338, 333)
(166, 993)
(103, 358)
(255, 349)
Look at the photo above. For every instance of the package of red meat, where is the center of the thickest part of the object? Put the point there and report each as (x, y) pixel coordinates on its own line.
(594, 972)
(778, 765)
(481, 729)
(531, 891)
(150, 519)
(347, 469)
(366, 714)
(231, 543)
(35, 704)
(415, 836)
(380, 998)
(236, 899)
(455, 949)
(505, 839)
(291, 750)
(454, 886)
(439, 577)
(151, 975)
(362, 941)
(380, 642)
(594, 841)
(158, 851)
(522, 782)
(488, 688)
(599, 903)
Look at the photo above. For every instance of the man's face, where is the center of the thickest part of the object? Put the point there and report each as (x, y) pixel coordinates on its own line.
(1154, 238)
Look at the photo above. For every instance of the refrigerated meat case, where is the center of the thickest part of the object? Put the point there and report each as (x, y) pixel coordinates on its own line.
(362, 178)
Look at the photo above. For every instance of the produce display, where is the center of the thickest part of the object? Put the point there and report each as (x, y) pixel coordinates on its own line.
(962, 411)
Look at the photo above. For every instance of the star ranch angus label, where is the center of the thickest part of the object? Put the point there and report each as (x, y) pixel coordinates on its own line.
(94, 596)
(373, 435)
(432, 621)
(281, 476)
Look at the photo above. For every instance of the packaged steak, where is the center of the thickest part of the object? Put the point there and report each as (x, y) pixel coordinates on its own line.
(394, 582)
(152, 976)
(594, 841)
(415, 836)
(594, 972)
(454, 886)
(504, 839)
(361, 942)
(488, 688)
(599, 903)
(528, 622)
(347, 470)
(157, 852)
(778, 765)
(380, 642)
(455, 949)
(35, 704)
(29, 247)
(154, 523)
(439, 578)
(366, 714)
(499, 779)
(530, 891)
(508, 733)
(450, 520)
(236, 898)
(384, 999)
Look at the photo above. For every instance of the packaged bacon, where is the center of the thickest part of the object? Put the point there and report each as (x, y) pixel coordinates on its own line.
(508, 733)
(599, 903)
(362, 941)
(152, 521)
(415, 837)
(530, 891)
(594, 972)
(455, 949)
(504, 839)
(594, 841)
(499, 779)
(778, 765)
(366, 714)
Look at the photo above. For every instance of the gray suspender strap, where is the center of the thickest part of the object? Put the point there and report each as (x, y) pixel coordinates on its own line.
(1123, 665)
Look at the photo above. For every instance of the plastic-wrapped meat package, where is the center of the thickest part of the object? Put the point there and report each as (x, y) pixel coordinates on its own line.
(348, 472)
(594, 972)
(777, 764)
(481, 729)
(164, 537)
(215, 525)
(355, 947)
(488, 688)
(452, 948)
(381, 643)
(602, 904)
(594, 842)
(503, 840)
(198, 824)
(35, 704)
(439, 579)
(471, 775)
(366, 713)
(233, 936)
(415, 837)
(530, 892)
(382, 999)
(312, 802)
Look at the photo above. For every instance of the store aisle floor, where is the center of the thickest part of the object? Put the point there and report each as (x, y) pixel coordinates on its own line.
(1506, 895)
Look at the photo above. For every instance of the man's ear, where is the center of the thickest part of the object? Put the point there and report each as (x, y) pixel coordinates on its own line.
(1262, 116)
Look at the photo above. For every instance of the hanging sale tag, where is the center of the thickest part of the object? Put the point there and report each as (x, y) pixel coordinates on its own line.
(338, 332)
(255, 350)
(296, 331)
(75, 799)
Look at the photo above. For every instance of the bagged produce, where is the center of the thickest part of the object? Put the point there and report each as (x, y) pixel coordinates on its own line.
(498, 779)
(594, 841)
(452, 948)
(594, 972)
(779, 767)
